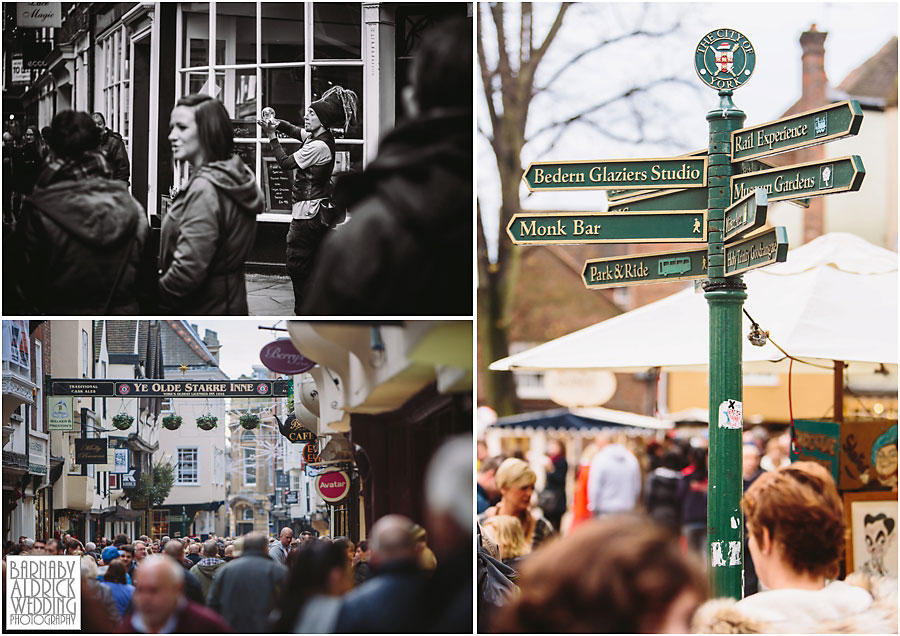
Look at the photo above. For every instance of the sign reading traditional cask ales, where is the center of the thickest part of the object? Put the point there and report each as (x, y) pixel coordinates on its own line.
(332, 486)
(617, 174)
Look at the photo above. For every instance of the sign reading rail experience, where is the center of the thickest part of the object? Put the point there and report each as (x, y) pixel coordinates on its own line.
(617, 174)
(169, 388)
(660, 267)
(767, 247)
(811, 128)
(684, 226)
(816, 178)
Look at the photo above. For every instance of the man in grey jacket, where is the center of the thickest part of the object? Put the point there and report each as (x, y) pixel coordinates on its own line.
(280, 548)
(245, 589)
(614, 479)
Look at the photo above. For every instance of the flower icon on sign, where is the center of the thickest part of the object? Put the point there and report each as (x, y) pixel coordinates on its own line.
(826, 173)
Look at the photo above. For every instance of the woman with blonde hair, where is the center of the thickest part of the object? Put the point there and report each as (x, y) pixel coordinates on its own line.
(507, 533)
(515, 479)
(796, 529)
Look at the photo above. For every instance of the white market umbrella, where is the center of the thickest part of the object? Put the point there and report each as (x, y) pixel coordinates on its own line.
(834, 299)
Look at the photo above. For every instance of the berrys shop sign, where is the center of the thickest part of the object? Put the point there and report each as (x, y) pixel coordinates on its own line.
(281, 356)
(333, 486)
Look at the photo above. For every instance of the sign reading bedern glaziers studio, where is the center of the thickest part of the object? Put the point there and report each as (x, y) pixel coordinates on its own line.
(169, 388)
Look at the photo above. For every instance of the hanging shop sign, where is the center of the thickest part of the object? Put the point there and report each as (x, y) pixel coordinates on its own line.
(91, 450)
(295, 431)
(39, 15)
(291, 497)
(169, 388)
(333, 486)
(311, 453)
(60, 413)
(282, 357)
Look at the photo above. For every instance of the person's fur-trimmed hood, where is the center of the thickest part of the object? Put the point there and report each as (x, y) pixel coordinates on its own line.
(850, 613)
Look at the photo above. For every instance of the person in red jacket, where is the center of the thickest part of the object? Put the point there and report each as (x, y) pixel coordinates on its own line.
(161, 607)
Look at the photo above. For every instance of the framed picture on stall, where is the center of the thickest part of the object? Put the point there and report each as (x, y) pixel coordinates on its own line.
(871, 518)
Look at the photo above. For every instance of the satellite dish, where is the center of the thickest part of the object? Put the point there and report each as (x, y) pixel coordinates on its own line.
(577, 387)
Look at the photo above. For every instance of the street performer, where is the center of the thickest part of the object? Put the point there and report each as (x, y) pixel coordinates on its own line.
(313, 165)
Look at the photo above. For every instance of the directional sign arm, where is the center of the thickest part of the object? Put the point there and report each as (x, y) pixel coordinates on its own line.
(683, 226)
(748, 214)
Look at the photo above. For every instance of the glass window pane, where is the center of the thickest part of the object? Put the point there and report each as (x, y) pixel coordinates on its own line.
(197, 82)
(195, 45)
(282, 32)
(283, 90)
(337, 31)
(236, 24)
(241, 96)
(348, 158)
(247, 153)
(349, 77)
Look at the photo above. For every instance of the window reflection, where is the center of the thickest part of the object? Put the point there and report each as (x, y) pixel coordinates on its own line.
(337, 31)
(282, 32)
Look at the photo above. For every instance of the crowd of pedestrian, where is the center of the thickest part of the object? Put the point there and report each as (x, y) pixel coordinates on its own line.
(627, 553)
(76, 242)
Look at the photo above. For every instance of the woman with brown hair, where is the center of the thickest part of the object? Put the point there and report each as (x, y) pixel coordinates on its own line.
(796, 529)
(618, 574)
(515, 480)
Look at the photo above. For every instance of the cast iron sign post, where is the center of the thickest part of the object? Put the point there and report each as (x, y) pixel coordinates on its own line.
(727, 189)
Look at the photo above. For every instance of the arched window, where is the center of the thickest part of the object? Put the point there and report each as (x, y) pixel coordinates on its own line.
(248, 438)
(247, 514)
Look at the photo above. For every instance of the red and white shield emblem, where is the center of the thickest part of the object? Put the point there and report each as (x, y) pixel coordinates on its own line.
(725, 57)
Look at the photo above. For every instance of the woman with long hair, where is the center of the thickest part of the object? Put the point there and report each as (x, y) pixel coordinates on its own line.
(319, 574)
(209, 229)
(515, 479)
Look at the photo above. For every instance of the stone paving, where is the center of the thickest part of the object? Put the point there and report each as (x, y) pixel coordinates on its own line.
(270, 295)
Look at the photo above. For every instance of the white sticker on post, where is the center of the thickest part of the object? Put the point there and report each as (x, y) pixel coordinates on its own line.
(731, 415)
(717, 558)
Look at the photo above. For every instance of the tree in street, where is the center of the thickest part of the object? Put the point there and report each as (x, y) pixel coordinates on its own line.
(576, 70)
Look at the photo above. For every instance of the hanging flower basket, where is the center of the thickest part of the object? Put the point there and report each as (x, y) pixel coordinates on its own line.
(172, 422)
(207, 422)
(249, 421)
(122, 421)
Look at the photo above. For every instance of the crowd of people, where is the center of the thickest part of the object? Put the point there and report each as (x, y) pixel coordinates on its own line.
(626, 552)
(76, 242)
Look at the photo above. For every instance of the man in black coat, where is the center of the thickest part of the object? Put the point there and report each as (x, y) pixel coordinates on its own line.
(407, 246)
(113, 148)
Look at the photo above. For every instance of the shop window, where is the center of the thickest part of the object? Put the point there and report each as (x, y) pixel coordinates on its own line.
(160, 523)
(115, 69)
(282, 32)
(247, 514)
(236, 24)
(249, 466)
(186, 469)
(338, 31)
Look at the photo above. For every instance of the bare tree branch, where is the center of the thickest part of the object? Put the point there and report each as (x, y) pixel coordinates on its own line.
(635, 90)
(487, 75)
(503, 65)
(574, 60)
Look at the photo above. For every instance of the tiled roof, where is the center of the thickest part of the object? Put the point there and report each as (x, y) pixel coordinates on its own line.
(180, 345)
(120, 337)
(876, 77)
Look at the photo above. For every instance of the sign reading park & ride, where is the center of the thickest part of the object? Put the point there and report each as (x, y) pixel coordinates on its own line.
(748, 214)
(684, 226)
(724, 59)
(332, 486)
(816, 178)
(811, 128)
(636, 269)
(617, 174)
(170, 388)
(764, 248)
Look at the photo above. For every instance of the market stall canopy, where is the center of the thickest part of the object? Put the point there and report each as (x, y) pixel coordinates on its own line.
(584, 419)
(834, 299)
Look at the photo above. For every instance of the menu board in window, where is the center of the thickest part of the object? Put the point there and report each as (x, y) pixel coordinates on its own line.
(277, 187)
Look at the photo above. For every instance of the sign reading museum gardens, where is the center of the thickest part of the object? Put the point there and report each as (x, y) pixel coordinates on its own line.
(718, 196)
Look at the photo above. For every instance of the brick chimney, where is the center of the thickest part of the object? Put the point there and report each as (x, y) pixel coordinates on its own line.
(814, 83)
(211, 340)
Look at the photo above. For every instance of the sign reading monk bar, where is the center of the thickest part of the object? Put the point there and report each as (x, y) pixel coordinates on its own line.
(623, 174)
(811, 128)
(683, 226)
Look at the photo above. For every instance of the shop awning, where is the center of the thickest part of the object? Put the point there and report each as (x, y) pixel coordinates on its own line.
(582, 419)
(834, 299)
(118, 513)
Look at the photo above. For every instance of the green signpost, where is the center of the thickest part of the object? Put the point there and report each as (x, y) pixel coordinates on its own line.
(660, 267)
(816, 178)
(811, 128)
(727, 189)
(682, 226)
(748, 214)
(617, 174)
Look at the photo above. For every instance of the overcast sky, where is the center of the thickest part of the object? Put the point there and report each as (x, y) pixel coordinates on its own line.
(241, 342)
(856, 31)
